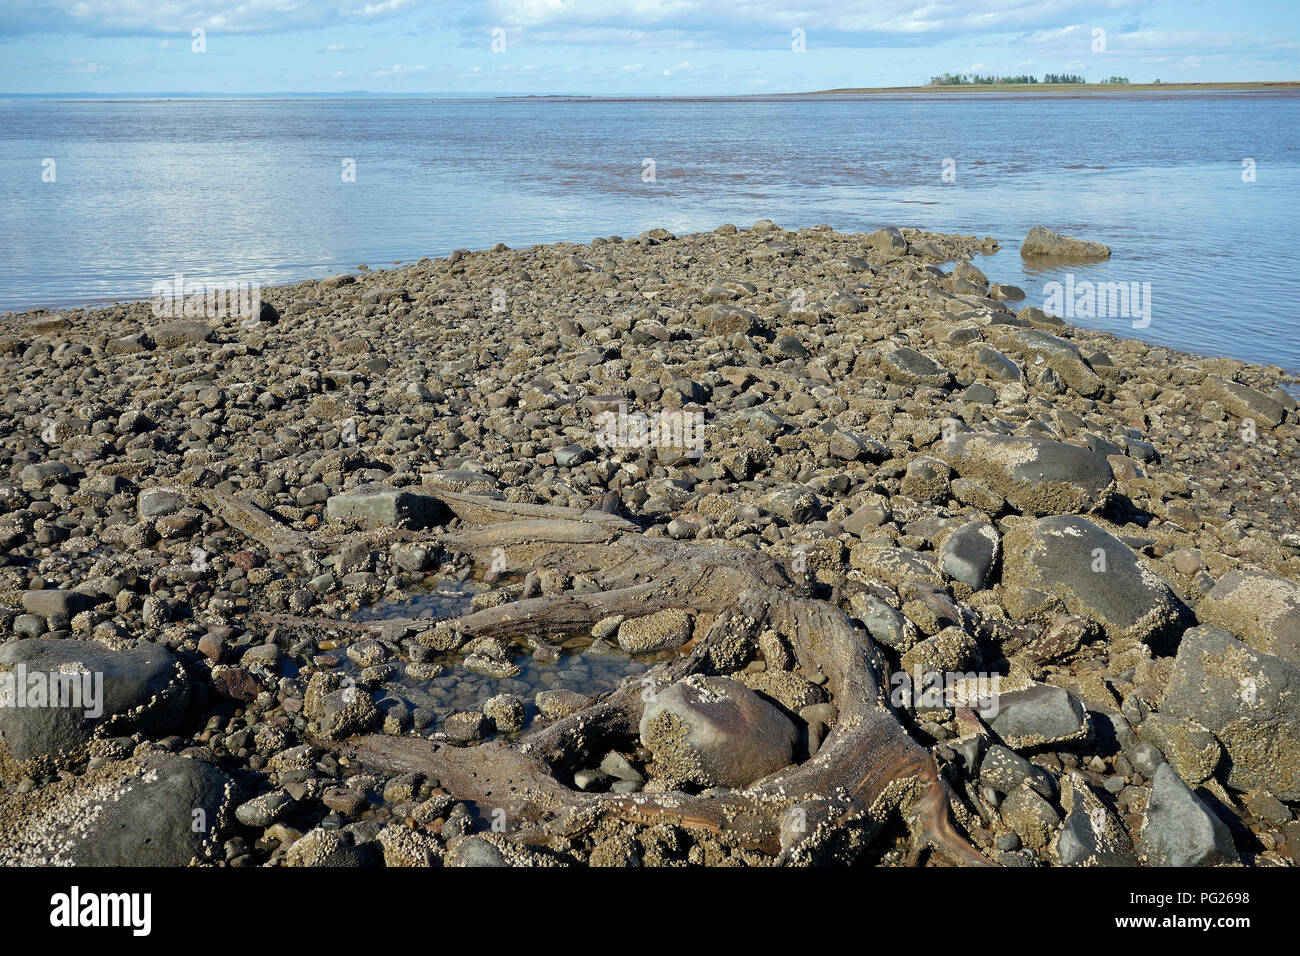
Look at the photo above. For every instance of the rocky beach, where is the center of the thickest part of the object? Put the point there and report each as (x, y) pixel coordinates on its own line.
(742, 548)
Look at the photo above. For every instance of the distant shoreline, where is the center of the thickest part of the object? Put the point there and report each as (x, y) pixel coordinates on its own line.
(1077, 89)
(1104, 88)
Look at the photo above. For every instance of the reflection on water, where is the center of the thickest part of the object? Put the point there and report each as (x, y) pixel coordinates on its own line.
(252, 190)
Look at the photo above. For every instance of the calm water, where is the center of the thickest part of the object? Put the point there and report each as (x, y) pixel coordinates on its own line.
(252, 190)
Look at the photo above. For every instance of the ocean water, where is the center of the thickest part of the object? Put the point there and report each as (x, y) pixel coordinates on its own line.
(1196, 194)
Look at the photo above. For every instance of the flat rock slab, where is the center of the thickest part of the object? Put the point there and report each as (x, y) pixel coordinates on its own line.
(1036, 476)
(89, 690)
(379, 506)
(1095, 574)
(1248, 699)
(715, 732)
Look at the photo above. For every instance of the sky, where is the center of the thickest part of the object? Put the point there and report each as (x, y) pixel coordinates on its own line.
(625, 47)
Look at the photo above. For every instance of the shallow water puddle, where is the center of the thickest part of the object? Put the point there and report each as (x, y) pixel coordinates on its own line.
(568, 662)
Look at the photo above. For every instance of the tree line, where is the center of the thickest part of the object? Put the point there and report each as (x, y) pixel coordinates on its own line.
(977, 79)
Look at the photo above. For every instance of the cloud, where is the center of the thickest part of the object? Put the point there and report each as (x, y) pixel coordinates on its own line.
(345, 48)
(154, 18)
(398, 69)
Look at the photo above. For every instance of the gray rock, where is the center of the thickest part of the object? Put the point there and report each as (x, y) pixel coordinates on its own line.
(104, 693)
(1091, 835)
(474, 851)
(884, 623)
(1243, 401)
(1179, 829)
(1248, 699)
(1041, 241)
(1095, 574)
(154, 810)
(661, 631)
(182, 333)
(907, 366)
(1040, 715)
(715, 732)
(1005, 770)
(53, 601)
(373, 506)
(1262, 610)
(970, 553)
(156, 502)
(1035, 475)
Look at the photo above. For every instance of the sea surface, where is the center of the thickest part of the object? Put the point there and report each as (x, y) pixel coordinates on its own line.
(1197, 194)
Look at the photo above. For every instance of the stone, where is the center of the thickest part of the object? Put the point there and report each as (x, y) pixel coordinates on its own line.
(970, 553)
(104, 692)
(715, 732)
(927, 479)
(1035, 475)
(157, 502)
(375, 506)
(1091, 834)
(1093, 573)
(181, 334)
(138, 812)
(661, 631)
(1030, 817)
(1242, 401)
(474, 850)
(1178, 829)
(1191, 750)
(1262, 610)
(1038, 716)
(1041, 241)
(1249, 700)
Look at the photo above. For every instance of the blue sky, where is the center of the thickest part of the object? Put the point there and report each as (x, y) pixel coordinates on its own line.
(632, 47)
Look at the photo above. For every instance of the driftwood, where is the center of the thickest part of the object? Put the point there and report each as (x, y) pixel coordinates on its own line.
(866, 768)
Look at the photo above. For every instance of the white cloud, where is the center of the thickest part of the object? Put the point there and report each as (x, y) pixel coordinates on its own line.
(398, 69)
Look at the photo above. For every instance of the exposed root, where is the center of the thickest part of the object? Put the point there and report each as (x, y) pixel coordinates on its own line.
(866, 766)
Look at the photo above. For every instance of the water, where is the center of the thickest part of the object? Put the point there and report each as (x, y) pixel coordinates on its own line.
(252, 190)
(577, 663)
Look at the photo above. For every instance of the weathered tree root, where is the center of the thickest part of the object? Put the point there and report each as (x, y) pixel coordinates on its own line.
(867, 766)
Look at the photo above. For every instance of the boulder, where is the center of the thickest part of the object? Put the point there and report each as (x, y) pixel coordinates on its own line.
(374, 506)
(1092, 572)
(150, 810)
(1179, 829)
(715, 732)
(1243, 401)
(1091, 834)
(60, 695)
(1038, 716)
(1041, 241)
(1248, 699)
(1262, 610)
(1037, 476)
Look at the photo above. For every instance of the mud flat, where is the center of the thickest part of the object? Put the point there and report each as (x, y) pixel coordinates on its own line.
(618, 554)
